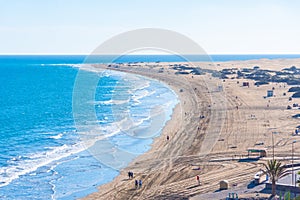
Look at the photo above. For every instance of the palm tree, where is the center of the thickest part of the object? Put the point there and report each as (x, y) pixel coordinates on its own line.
(275, 171)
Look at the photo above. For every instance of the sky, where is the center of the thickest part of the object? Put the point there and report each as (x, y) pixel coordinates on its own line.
(218, 26)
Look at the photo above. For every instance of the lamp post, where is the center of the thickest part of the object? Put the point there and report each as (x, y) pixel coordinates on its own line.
(273, 144)
(274, 132)
(293, 177)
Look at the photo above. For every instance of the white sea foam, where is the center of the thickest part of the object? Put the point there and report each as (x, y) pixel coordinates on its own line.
(19, 166)
(69, 65)
(141, 85)
(130, 123)
(111, 102)
(56, 137)
(131, 119)
(140, 95)
(136, 97)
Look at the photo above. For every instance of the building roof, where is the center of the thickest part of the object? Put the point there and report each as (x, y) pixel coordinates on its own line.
(256, 150)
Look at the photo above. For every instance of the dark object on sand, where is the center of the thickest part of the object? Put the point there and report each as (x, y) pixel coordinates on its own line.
(289, 107)
(296, 116)
(296, 95)
(260, 143)
(246, 84)
(258, 83)
(182, 72)
(294, 89)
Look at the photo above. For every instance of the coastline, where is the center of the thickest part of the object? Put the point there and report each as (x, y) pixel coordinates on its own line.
(171, 128)
(176, 110)
(152, 70)
(212, 146)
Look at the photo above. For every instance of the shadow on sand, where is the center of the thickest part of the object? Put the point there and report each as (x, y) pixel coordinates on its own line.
(172, 196)
(194, 186)
(248, 160)
(251, 185)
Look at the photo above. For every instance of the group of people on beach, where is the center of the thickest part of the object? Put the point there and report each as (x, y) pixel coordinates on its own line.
(138, 183)
(130, 175)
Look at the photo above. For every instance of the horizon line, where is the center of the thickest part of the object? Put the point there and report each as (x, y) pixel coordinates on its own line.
(84, 54)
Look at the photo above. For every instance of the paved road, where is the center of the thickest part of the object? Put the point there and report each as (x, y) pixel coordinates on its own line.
(287, 180)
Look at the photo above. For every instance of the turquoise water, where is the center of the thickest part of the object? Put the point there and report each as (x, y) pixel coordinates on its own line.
(42, 156)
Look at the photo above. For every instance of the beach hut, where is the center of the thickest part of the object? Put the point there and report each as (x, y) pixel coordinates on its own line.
(224, 185)
(270, 93)
(246, 84)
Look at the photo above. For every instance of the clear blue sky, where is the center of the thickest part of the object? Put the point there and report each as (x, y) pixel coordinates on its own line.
(219, 26)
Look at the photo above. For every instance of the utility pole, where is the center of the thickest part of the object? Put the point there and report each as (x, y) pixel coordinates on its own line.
(273, 144)
(293, 177)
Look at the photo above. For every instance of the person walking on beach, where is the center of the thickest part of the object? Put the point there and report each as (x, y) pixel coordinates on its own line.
(129, 175)
(136, 184)
(198, 179)
(168, 137)
(140, 183)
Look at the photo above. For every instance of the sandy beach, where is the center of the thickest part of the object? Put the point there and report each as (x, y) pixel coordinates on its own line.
(211, 128)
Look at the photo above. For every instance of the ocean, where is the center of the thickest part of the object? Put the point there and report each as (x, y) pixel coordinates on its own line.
(42, 154)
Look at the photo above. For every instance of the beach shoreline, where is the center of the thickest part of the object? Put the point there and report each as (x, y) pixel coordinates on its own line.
(172, 126)
(169, 168)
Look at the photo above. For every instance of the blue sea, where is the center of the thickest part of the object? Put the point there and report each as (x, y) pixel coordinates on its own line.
(44, 155)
